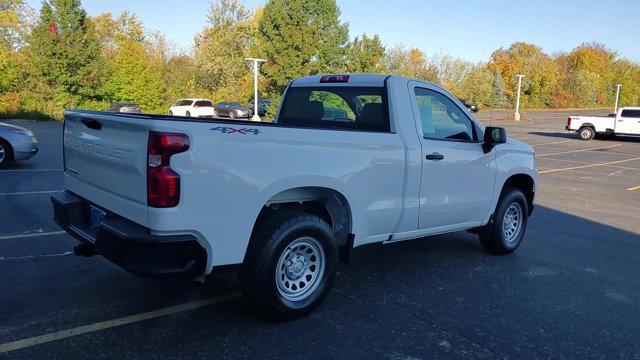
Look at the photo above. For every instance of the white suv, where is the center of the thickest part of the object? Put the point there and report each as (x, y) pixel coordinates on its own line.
(199, 108)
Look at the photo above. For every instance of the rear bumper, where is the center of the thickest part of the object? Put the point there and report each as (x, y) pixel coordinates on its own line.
(127, 244)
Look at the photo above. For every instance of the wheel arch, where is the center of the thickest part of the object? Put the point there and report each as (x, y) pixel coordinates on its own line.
(327, 203)
(524, 183)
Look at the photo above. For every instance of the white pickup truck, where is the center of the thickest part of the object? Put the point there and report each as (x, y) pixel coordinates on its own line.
(403, 159)
(625, 122)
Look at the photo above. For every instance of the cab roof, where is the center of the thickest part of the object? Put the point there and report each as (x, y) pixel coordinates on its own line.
(353, 80)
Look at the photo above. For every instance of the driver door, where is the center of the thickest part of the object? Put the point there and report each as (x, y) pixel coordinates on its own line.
(457, 176)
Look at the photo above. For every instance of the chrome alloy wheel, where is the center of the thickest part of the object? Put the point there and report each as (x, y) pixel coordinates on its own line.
(3, 153)
(586, 133)
(300, 269)
(512, 222)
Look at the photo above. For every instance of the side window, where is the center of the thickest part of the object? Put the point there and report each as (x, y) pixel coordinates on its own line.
(630, 113)
(441, 118)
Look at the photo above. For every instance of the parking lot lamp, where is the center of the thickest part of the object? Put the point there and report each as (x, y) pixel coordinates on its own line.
(256, 63)
(618, 86)
(517, 115)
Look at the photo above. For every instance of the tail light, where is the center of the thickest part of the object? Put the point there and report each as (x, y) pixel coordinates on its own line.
(163, 184)
(569, 121)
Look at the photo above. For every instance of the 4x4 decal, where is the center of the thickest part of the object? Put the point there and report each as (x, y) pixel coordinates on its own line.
(230, 130)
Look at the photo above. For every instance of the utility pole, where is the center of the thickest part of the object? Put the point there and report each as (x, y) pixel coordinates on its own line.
(618, 86)
(256, 63)
(517, 116)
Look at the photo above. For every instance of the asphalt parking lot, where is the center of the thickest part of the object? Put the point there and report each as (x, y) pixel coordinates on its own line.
(571, 290)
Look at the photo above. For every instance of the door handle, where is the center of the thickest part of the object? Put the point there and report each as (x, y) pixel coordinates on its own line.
(92, 124)
(435, 157)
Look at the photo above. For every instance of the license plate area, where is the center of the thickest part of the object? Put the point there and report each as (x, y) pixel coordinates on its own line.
(96, 216)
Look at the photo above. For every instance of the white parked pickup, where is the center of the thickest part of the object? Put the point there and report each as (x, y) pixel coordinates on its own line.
(285, 201)
(625, 122)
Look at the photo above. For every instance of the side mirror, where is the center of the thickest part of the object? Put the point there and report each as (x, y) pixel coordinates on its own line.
(492, 137)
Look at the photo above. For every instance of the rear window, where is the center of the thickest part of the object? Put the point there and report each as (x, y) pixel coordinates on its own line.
(630, 113)
(356, 108)
(203, 103)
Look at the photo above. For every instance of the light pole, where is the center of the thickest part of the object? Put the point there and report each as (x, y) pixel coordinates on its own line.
(618, 86)
(255, 117)
(517, 115)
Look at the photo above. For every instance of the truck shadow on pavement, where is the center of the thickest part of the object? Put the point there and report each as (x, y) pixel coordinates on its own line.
(571, 286)
(570, 290)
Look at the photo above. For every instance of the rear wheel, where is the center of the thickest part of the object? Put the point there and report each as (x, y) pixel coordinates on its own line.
(231, 115)
(5, 153)
(290, 265)
(170, 112)
(586, 133)
(505, 234)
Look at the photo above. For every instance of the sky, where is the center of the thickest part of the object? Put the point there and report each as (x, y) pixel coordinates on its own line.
(470, 30)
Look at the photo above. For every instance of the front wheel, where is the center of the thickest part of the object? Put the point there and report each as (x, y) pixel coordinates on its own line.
(505, 234)
(290, 265)
(188, 114)
(232, 115)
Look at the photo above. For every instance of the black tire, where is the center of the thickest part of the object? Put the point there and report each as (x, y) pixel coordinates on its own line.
(586, 133)
(187, 114)
(494, 238)
(170, 112)
(6, 153)
(269, 242)
(231, 115)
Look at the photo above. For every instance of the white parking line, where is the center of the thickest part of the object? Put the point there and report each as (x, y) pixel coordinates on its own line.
(59, 335)
(587, 166)
(588, 163)
(551, 143)
(28, 170)
(35, 256)
(30, 235)
(581, 150)
(31, 192)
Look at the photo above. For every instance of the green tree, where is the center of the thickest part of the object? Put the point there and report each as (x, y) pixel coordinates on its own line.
(65, 62)
(540, 70)
(14, 28)
(499, 98)
(366, 55)
(451, 73)
(135, 78)
(300, 38)
(478, 85)
(410, 62)
(628, 75)
(220, 50)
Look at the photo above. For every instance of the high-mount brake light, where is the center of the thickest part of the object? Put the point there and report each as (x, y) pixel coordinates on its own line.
(334, 79)
(163, 183)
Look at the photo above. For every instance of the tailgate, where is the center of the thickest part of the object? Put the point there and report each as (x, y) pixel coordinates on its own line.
(106, 161)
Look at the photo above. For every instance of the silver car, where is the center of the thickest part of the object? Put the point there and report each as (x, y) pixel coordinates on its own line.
(16, 143)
